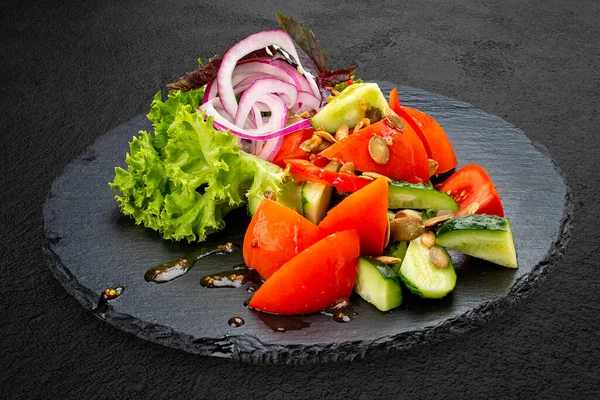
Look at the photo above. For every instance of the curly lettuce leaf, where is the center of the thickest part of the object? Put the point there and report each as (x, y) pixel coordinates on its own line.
(184, 180)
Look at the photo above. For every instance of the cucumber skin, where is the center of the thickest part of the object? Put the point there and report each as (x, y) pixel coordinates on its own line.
(416, 254)
(386, 281)
(424, 197)
(468, 235)
(398, 250)
(474, 222)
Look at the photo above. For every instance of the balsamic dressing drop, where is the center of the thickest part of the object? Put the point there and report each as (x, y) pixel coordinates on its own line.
(174, 269)
(108, 294)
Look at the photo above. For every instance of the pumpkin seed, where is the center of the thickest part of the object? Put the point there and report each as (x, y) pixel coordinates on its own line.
(348, 167)
(388, 260)
(375, 175)
(387, 234)
(363, 123)
(366, 178)
(326, 135)
(405, 229)
(311, 144)
(433, 166)
(293, 119)
(342, 132)
(428, 239)
(325, 144)
(393, 119)
(378, 150)
(431, 222)
(417, 216)
(439, 257)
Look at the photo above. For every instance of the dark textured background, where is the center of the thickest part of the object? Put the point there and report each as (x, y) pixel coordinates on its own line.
(72, 71)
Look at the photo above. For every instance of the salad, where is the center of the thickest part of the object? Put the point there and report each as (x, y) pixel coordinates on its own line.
(349, 191)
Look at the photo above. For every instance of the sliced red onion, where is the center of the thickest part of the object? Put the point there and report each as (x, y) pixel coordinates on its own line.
(299, 80)
(243, 133)
(260, 67)
(260, 91)
(210, 92)
(252, 43)
(306, 102)
(270, 148)
(264, 85)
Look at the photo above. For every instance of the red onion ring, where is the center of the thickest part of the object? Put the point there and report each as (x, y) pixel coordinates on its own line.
(264, 86)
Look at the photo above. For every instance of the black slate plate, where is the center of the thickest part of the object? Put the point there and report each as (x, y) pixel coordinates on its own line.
(90, 246)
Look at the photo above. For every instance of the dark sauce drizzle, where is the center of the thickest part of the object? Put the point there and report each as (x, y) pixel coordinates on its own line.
(282, 323)
(174, 269)
(236, 322)
(236, 277)
(108, 294)
(341, 312)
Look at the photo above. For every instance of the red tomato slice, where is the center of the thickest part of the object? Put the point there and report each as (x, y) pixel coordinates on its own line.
(402, 165)
(472, 184)
(433, 137)
(290, 147)
(366, 212)
(276, 234)
(317, 278)
(303, 170)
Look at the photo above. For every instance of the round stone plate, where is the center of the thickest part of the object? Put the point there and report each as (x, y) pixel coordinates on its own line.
(90, 246)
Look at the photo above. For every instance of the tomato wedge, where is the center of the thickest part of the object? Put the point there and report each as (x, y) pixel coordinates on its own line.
(472, 184)
(276, 234)
(404, 163)
(366, 212)
(319, 277)
(290, 146)
(303, 170)
(433, 137)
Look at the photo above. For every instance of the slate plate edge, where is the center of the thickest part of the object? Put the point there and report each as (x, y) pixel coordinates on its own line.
(235, 347)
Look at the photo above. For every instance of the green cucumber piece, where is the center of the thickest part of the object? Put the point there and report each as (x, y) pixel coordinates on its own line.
(487, 237)
(398, 250)
(418, 196)
(378, 284)
(348, 107)
(316, 197)
(423, 277)
(290, 196)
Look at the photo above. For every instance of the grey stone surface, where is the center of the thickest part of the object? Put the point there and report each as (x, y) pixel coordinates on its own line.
(72, 72)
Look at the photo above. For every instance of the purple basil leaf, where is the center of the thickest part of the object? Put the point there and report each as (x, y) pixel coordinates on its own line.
(306, 40)
(208, 72)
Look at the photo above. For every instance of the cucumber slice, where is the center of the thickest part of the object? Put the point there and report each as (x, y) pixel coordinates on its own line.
(290, 196)
(378, 284)
(418, 196)
(348, 107)
(421, 276)
(316, 197)
(487, 237)
(398, 250)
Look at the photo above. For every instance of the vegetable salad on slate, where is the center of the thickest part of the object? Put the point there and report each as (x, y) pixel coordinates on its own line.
(338, 178)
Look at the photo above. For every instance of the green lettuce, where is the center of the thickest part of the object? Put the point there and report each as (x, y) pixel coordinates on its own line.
(183, 180)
